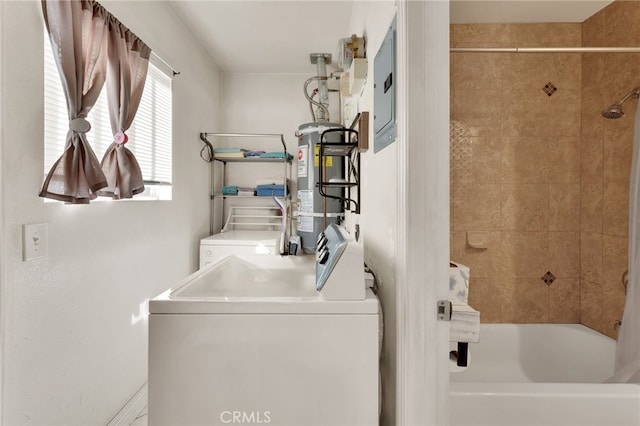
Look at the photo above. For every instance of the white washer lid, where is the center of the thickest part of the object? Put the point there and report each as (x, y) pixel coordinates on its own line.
(237, 237)
(255, 284)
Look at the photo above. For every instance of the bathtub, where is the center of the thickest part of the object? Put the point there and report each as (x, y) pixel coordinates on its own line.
(541, 374)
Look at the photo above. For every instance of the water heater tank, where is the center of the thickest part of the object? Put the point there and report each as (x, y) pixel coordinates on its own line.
(316, 212)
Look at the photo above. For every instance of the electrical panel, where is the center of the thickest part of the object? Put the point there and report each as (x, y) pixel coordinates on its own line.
(384, 91)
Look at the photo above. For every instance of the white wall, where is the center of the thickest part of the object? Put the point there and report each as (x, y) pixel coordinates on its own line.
(74, 331)
(406, 242)
(379, 188)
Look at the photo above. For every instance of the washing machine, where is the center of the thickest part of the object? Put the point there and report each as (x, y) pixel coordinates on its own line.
(279, 340)
(237, 241)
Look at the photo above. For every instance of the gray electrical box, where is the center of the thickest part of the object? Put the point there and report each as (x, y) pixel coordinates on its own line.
(384, 91)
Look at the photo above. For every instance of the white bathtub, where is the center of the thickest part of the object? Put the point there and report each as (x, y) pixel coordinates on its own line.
(541, 374)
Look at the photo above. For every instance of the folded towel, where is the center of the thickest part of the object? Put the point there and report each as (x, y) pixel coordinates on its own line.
(276, 154)
(223, 155)
(230, 190)
(228, 150)
(270, 190)
(254, 153)
(246, 191)
(465, 324)
(270, 186)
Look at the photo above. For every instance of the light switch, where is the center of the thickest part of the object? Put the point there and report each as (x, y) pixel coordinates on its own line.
(34, 241)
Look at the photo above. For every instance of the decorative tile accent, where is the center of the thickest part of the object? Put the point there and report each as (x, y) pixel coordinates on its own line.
(460, 151)
(549, 89)
(548, 278)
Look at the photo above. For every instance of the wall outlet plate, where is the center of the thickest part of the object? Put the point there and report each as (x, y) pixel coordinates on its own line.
(35, 241)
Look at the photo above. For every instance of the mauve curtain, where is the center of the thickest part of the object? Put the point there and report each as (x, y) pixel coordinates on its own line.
(78, 34)
(126, 74)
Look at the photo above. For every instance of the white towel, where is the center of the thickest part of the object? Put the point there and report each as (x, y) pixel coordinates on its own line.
(465, 324)
(458, 283)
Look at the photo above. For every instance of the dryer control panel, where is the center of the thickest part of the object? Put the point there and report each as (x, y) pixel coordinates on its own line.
(339, 265)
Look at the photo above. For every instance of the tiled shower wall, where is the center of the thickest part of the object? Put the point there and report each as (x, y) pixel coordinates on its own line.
(606, 160)
(539, 180)
(515, 171)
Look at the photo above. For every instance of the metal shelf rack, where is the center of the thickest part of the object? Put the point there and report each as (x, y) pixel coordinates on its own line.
(286, 161)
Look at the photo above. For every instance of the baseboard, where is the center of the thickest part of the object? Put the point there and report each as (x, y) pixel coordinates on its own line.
(131, 409)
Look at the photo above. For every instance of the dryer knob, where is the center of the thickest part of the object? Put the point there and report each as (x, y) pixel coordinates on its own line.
(322, 242)
(324, 256)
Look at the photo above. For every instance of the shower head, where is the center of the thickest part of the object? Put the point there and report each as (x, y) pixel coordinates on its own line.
(615, 110)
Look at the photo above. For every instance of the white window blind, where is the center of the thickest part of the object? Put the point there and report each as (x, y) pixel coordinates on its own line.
(149, 135)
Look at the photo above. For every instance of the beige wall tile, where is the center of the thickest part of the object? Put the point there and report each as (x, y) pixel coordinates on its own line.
(533, 113)
(486, 159)
(564, 301)
(564, 254)
(624, 78)
(525, 160)
(620, 23)
(564, 207)
(592, 158)
(474, 71)
(530, 301)
(472, 35)
(593, 70)
(476, 207)
(484, 263)
(614, 264)
(480, 111)
(591, 195)
(615, 217)
(487, 296)
(525, 254)
(564, 160)
(591, 257)
(591, 304)
(525, 207)
(524, 71)
(617, 150)
(593, 30)
(612, 309)
(548, 34)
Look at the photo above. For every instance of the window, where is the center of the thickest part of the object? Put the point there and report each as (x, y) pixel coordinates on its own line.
(149, 135)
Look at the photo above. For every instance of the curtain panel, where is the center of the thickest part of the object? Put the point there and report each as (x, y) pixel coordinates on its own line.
(78, 34)
(90, 46)
(126, 74)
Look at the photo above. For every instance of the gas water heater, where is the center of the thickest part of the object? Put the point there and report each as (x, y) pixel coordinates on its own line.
(316, 212)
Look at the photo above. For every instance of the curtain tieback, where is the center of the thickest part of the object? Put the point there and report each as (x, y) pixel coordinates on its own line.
(79, 125)
(120, 138)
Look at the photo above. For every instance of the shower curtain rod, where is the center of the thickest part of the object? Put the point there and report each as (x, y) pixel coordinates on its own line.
(544, 50)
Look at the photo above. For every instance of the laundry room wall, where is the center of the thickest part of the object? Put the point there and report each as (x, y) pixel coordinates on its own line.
(265, 103)
(379, 183)
(74, 325)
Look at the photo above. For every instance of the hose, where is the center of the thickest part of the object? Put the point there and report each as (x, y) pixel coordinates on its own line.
(318, 104)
